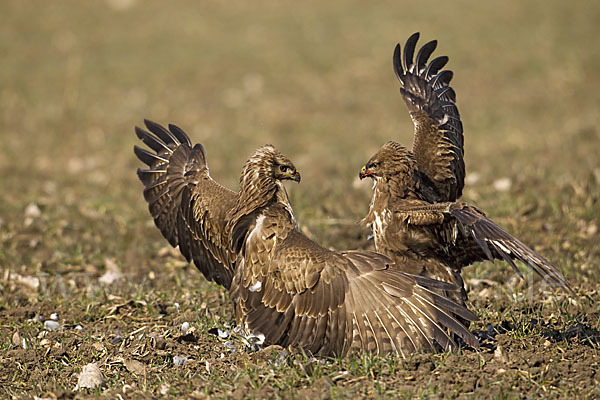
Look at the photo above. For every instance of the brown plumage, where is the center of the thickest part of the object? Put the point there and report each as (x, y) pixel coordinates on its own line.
(438, 139)
(298, 293)
(187, 205)
(413, 213)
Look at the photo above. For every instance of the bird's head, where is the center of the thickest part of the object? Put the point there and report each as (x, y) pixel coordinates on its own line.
(391, 159)
(268, 163)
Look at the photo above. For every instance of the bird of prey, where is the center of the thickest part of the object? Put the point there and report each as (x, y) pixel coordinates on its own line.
(283, 285)
(187, 205)
(414, 215)
(296, 292)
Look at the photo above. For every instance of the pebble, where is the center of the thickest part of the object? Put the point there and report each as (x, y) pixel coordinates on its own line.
(118, 338)
(230, 345)
(16, 338)
(32, 211)
(472, 178)
(502, 184)
(222, 334)
(164, 389)
(51, 325)
(54, 316)
(90, 377)
(500, 354)
(110, 277)
(179, 360)
(177, 307)
(257, 339)
(185, 327)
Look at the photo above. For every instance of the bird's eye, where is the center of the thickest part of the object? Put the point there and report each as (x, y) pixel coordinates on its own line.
(372, 165)
(283, 168)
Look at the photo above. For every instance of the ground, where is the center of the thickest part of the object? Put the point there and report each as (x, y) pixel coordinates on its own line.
(87, 278)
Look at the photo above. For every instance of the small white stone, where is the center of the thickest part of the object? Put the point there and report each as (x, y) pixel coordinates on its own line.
(51, 325)
(16, 338)
(54, 316)
(472, 178)
(177, 307)
(222, 334)
(500, 354)
(502, 184)
(32, 211)
(164, 389)
(110, 277)
(90, 377)
(184, 327)
(179, 360)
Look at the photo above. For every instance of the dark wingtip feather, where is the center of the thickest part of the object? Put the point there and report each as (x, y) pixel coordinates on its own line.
(180, 134)
(154, 142)
(435, 65)
(409, 50)
(424, 53)
(161, 132)
(139, 132)
(397, 61)
(148, 158)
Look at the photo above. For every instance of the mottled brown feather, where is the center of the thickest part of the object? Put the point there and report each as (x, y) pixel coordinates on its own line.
(437, 239)
(298, 293)
(438, 136)
(187, 205)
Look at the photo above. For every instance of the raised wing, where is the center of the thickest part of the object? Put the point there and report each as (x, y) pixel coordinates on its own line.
(298, 293)
(187, 205)
(438, 142)
(468, 236)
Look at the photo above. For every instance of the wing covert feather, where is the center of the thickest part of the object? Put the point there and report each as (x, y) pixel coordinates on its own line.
(339, 300)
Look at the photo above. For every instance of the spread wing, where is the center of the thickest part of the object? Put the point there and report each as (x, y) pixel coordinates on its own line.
(187, 205)
(296, 292)
(438, 142)
(467, 236)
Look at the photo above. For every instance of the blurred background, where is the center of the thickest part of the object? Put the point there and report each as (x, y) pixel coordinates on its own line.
(314, 79)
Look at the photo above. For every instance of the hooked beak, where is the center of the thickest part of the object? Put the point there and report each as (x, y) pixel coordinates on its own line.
(295, 176)
(364, 173)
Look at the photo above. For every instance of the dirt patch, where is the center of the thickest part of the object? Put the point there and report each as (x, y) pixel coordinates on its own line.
(147, 344)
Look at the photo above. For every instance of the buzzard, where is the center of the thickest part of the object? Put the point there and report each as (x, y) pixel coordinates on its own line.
(296, 292)
(283, 285)
(187, 205)
(414, 215)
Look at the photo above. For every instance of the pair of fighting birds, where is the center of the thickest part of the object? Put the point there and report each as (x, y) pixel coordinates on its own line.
(405, 297)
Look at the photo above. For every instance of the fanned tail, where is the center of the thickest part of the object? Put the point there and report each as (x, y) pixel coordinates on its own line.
(496, 243)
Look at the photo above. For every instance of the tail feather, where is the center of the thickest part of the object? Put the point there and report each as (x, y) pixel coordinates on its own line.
(161, 132)
(180, 134)
(496, 243)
